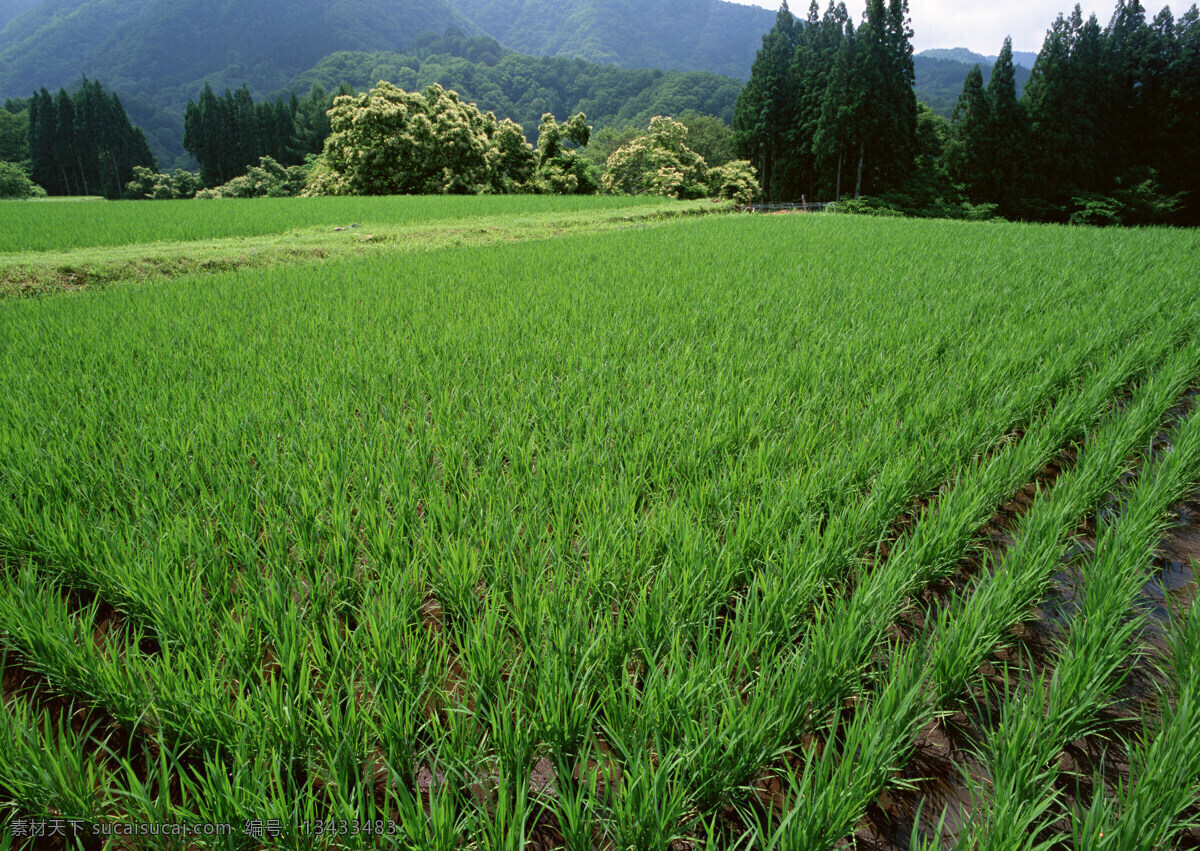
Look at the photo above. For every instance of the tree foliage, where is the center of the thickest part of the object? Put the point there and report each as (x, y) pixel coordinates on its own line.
(15, 182)
(227, 134)
(562, 170)
(267, 179)
(829, 107)
(84, 144)
(661, 163)
(524, 88)
(1108, 129)
(391, 142)
(14, 135)
(150, 185)
(158, 54)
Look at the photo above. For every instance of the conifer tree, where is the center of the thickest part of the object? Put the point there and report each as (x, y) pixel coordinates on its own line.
(1005, 161)
(42, 125)
(64, 147)
(967, 153)
(838, 129)
(763, 113)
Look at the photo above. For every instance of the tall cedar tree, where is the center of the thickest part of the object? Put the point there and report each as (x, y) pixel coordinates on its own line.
(967, 155)
(828, 107)
(229, 134)
(764, 110)
(1006, 162)
(1114, 113)
(1181, 145)
(84, 143)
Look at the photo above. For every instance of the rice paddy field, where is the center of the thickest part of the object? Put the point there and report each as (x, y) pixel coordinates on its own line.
(54, 225)
(732, 532)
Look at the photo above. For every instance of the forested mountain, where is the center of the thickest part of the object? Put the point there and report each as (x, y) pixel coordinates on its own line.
(970, 57)
(139, 45)
(159, 53)
(157, 45)
(9, 9)
(523, 88)
(940, 75)
(681, 35)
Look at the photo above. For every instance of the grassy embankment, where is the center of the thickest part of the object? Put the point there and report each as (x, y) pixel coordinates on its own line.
(50, 246)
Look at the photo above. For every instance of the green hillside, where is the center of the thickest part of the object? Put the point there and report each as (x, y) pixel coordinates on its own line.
(523, 88)
(940, 76)
(155, 46)
(684, 35)
(9, 9)
(970, 57)
(156, 54)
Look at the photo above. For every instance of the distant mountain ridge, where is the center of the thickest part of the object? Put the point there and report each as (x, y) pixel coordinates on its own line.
(675, 35)
(940, 74)
(9, 9)
(152, 46)
(156, 54)
(969, 57)
(148, 46)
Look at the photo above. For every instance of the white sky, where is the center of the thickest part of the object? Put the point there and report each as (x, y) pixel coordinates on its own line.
(981, 25)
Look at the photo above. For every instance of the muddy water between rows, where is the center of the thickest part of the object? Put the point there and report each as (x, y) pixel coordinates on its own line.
(940, 803)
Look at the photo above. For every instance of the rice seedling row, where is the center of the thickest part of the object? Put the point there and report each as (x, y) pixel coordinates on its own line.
(1019, 753)
(1150, 810)
(526, 541)
(830, 795)
(836, 655)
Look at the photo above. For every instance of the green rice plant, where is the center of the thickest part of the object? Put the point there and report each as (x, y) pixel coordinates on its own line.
(576, 797)
(958, 644)
(1093, 658)
(1148, 810)
(251, 781)
(649, 807)
(45, 768)
(562, 688)
(41, 227)
(836, 658)
(841, 778)
(1000, 597)
(379, 516)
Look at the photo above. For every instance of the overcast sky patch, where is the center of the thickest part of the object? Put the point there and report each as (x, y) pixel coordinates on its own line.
(981, 25)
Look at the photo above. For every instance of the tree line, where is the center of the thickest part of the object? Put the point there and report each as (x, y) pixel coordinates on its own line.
(1107, 130)
(829, 108)
(388, 141)
(230, 133)
(83, 143)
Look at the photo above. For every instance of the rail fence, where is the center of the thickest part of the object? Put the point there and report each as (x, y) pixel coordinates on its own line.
(798, 207)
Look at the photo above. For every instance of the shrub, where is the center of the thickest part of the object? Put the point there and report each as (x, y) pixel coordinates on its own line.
(735, 180)
(268, 179)
(15, 182)
(658, 163)
(149, 185)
